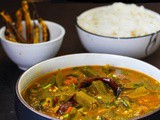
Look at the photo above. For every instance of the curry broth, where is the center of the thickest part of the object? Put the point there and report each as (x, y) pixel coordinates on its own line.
(60, 93)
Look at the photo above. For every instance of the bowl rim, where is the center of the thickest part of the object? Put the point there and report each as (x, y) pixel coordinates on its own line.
(98, 35)
(21, 99)
(37, 44)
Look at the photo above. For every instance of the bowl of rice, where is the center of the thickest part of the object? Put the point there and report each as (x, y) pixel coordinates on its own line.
(122, 29)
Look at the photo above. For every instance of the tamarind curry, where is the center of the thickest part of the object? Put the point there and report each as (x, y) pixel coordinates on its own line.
(94, 93)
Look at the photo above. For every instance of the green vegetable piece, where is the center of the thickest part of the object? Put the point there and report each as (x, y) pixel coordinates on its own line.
(150, 86)
(66, 116)
(72, 88)
(107, 98)
(43, 94)
(126, 103)
(63, 97)
(47, 86)
(99, 86)
(49, 82)
(85, 100)
(107, 69)
(59, 78)
(74, 75)
(141, 91)
(53, 80)
(89, 72)
(77, 116)
(73, 111)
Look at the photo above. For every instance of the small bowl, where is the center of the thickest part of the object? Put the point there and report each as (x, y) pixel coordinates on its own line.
(137, 47)
(26, 55)
(25, 112)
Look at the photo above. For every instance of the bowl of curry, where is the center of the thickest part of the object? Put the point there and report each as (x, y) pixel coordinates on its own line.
(88, 86)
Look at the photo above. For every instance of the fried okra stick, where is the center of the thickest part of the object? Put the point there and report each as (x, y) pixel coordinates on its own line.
(36, 31)
(9, 36)
(11, 28)
(29, 27)
(6, 17)
(18, 23)
(45, 30)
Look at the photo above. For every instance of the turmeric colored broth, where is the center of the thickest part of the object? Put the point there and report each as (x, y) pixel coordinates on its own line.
(140, 94)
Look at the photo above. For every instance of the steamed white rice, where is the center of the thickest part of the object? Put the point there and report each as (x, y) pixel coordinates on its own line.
(120, 20)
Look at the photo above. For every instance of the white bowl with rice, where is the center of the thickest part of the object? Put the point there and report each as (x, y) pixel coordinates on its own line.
(123, 29)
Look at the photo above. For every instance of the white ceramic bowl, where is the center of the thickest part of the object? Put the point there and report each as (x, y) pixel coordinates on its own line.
(137, 47)
(25, 112)
(26, 55)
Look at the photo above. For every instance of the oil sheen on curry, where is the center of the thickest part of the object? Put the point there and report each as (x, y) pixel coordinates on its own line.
(94, 93)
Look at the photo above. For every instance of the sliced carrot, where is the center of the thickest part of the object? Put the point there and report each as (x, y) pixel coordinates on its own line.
(69, 110)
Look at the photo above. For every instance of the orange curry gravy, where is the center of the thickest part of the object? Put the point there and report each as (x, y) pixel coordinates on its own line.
(61, 94)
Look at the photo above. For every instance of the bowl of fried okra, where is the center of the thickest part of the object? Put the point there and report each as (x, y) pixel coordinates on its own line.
(29, 41)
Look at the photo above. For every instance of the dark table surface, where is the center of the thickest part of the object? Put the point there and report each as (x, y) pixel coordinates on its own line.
(64, 14)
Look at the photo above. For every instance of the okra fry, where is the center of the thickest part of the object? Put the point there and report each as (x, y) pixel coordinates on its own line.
(36, 35)
(18, 23)
(29, 27)
(36, 31)
(45, 30)
(9, 36)
(18, 36)
(6, 17)
(11, 28)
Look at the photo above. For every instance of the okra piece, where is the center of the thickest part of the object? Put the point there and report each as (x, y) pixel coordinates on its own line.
(89, 72)
(29, 26)
(77, 115)
(85, 100)
(99, 87)
(7, 19)
(45, 30)
(18, 23)
(51, 81)
(9, 36)
(36, 32)
(59, 79)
